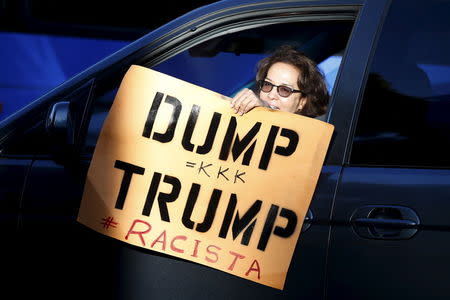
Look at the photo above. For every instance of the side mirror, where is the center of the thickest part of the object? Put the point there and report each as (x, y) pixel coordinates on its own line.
(59, 124)
(67, 121)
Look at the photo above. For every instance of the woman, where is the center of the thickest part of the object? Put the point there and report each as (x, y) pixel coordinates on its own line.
(287, 81)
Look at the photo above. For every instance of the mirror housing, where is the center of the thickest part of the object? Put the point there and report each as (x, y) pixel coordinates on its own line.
(59, 124)
(67, 121)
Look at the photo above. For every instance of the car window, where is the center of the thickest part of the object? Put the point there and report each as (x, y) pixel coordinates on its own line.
(223, 63)
(403, 119)
(227, 64)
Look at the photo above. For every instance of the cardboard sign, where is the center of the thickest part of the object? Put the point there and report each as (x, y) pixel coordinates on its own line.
(176, 171)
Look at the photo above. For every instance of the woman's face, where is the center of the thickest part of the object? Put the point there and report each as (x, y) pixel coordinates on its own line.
(287, 75)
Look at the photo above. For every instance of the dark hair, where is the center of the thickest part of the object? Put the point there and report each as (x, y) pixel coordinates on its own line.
(310, 81)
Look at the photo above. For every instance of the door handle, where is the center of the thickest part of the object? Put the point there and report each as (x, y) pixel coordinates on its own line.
(385, 222)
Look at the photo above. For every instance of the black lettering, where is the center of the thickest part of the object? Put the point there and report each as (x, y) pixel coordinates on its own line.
(152, 115)
(213, 126)
(293, 142)
(290, 226)
(279, 231)
(228, 216)
(186, 141)
(268, 148)
(228, 139)
(168, 135)
(190, 126)
(240, 223)
(129, 170)
(238, 176)
(192, 198)
(222, 172)
(163, 198)
(151, 195)
(210, 212)
(268, 227)
(247, 221)
(238, 145)
(203, 168)
(285, 151)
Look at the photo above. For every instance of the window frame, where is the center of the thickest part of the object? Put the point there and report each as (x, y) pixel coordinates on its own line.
(241, 27)
(351, 79)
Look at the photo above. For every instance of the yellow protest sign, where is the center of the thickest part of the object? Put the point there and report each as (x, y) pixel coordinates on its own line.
(176, 171)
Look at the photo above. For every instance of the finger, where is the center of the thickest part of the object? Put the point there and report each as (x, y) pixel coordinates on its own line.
(245, 109)
(254, 102)
(238, 97)
(240, 101)
(250, 102)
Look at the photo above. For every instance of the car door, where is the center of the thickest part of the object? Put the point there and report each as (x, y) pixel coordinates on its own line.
(306, 276)
(390, 238)
(81, 262)
(199, 65)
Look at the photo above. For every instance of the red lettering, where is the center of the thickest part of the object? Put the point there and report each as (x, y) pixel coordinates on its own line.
(197, 242)
(161, 239)
(257, 269)
(213, 253)
(236, 256)
(140, 233)
(172, 243)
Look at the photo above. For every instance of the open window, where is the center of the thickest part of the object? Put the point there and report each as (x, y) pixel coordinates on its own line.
(227, 63)
(223, 60)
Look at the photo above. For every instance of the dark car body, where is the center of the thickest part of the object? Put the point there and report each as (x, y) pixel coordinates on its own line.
(379, 224)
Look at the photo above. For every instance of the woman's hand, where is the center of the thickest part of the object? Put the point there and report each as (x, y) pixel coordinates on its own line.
(246, 100)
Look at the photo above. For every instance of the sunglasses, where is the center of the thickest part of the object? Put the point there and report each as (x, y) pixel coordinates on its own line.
(283, 91)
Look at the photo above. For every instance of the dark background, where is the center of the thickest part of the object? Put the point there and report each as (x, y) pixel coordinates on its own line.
(124, 20)
(45, 42)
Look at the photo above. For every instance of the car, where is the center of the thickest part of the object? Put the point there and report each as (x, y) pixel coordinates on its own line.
(378, 223)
